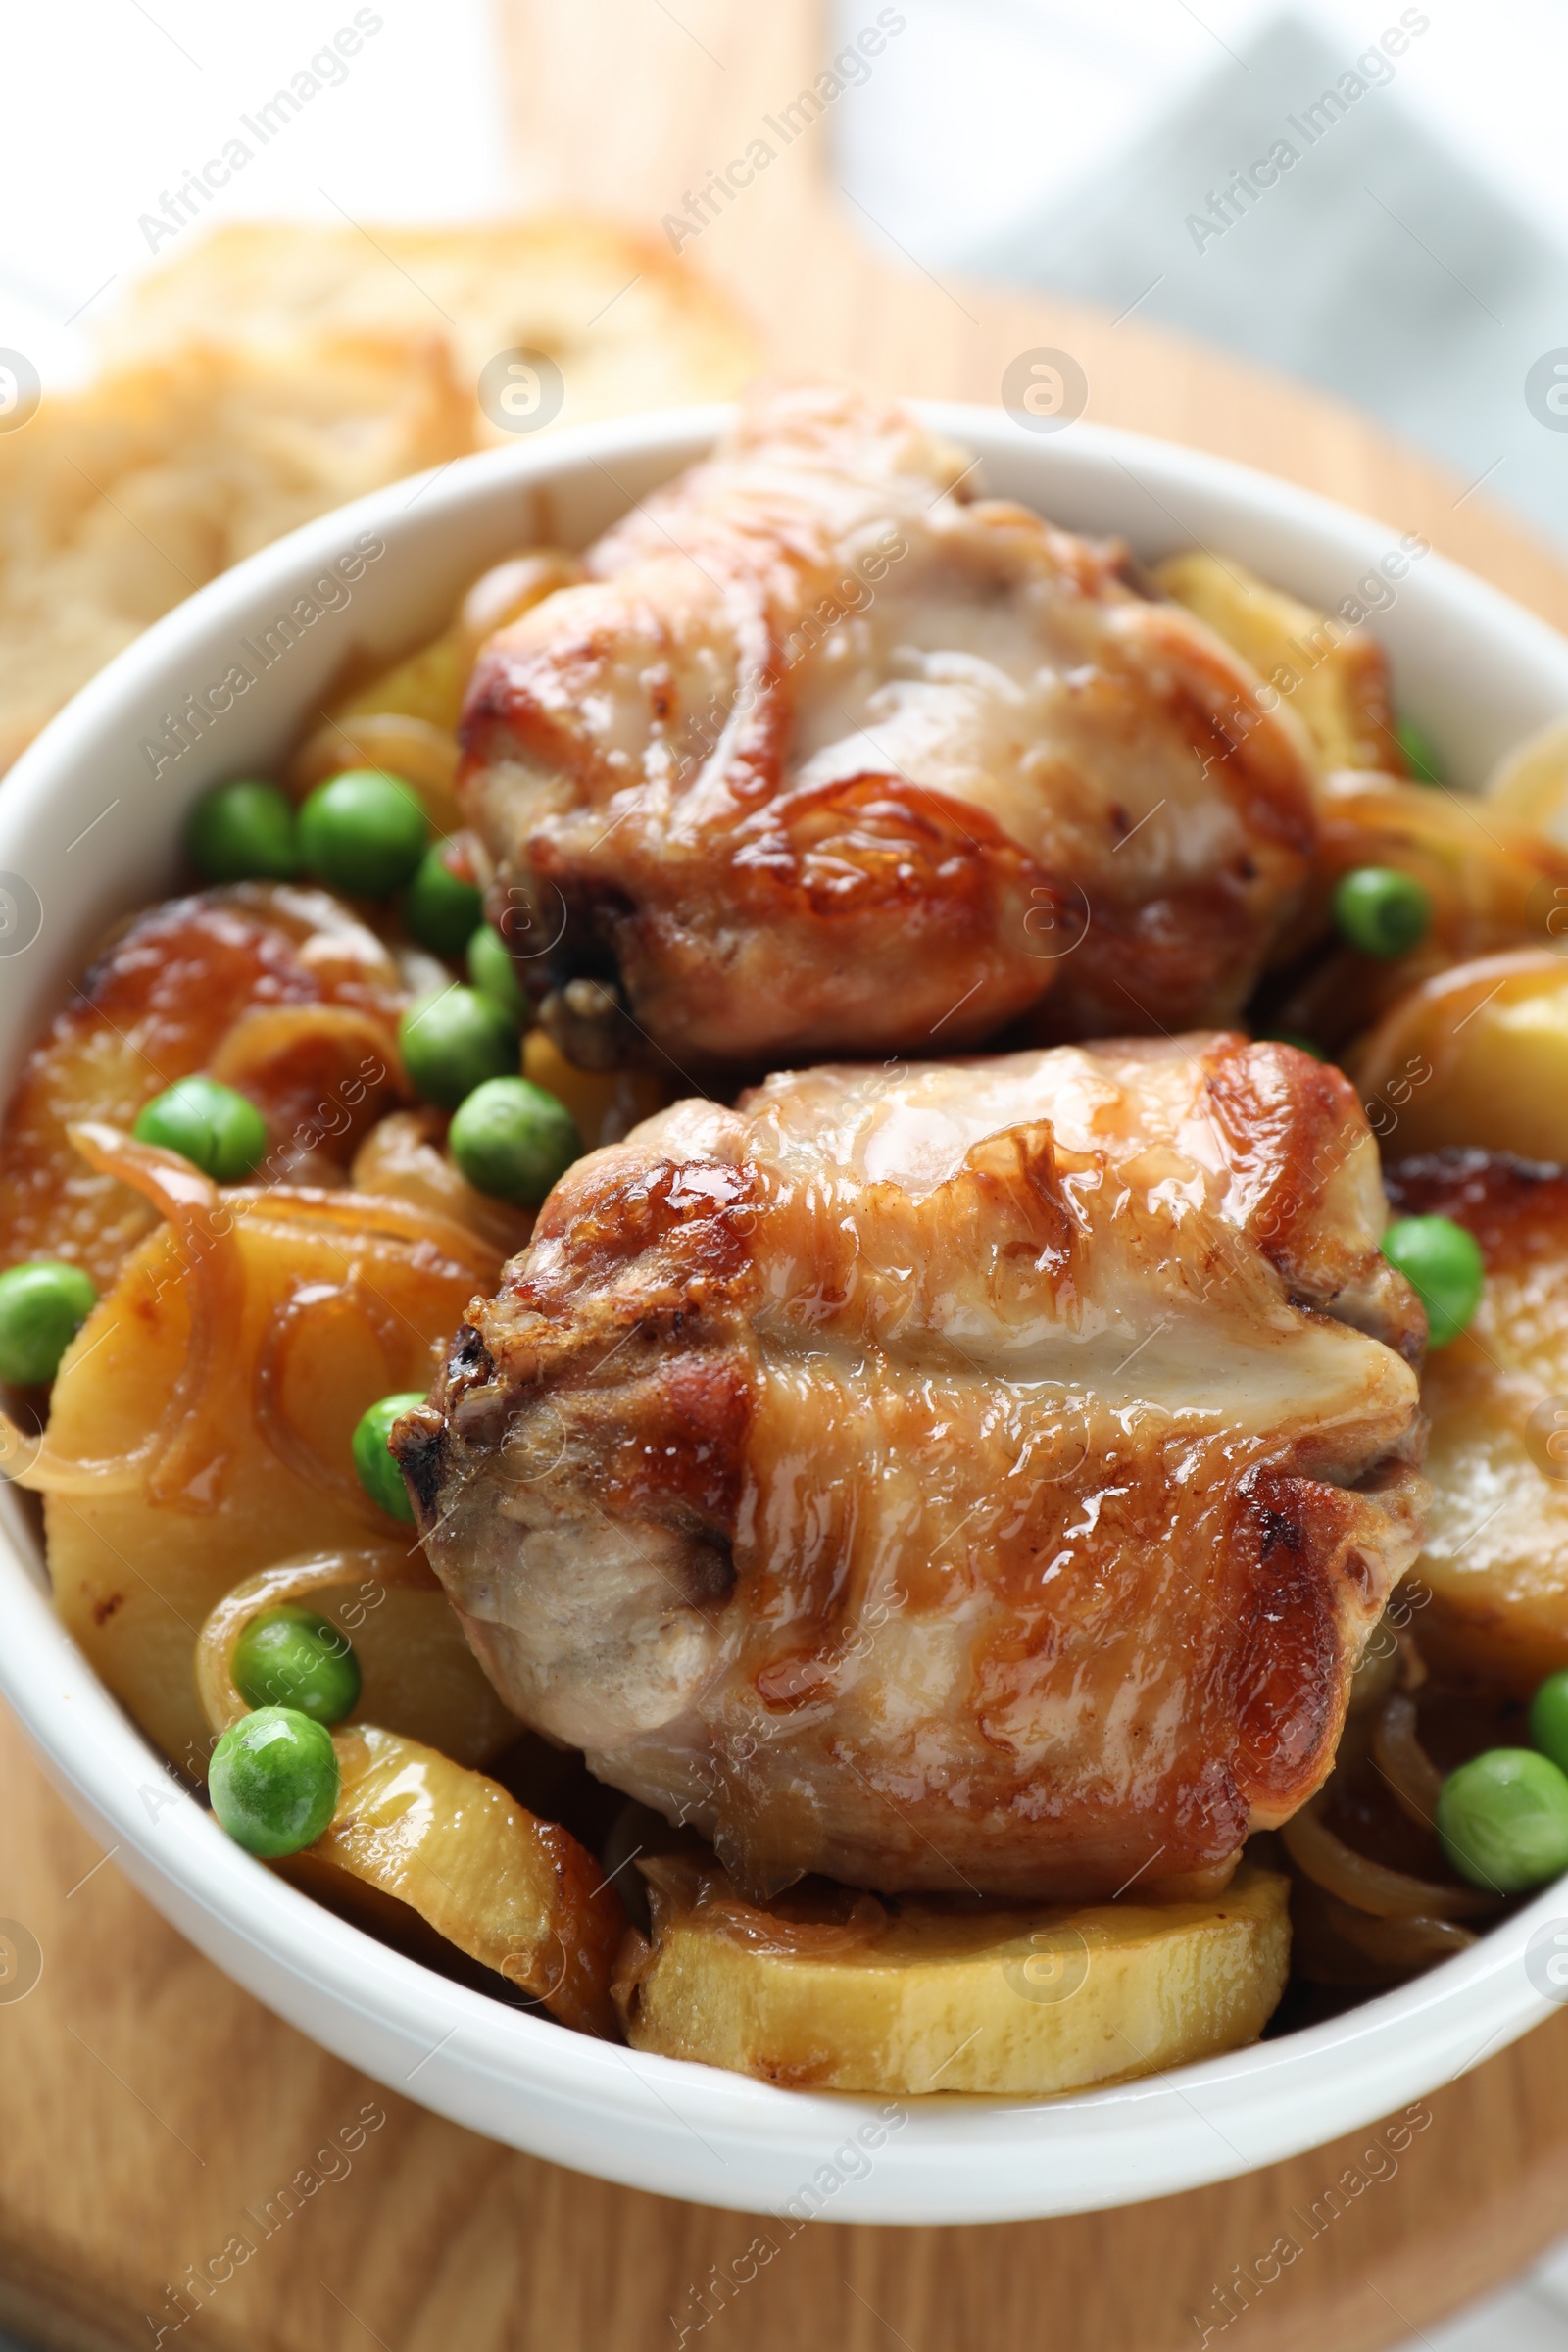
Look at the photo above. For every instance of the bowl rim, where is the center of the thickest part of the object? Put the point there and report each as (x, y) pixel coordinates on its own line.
(665, 2125)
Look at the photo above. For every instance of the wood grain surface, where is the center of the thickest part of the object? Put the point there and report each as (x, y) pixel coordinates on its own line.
(149, 2110)
(628, 105)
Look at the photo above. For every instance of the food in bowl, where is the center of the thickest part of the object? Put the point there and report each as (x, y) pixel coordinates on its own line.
(950, 1480)
(825, 757)
(967, 1509)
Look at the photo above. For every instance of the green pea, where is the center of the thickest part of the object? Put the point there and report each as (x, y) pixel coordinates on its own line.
(1503, 1819)
(451, 1042)
(363, 832)
(376, 1466)
(1382, 911)
(493, 973)
(1549, 1719)
(1419, 755)
(244, 832)
(291, 1657)
(1442, 1261)
(440, 908)
(220, 1131)
(514, 1138)
(43, 1304)
(274, 1781)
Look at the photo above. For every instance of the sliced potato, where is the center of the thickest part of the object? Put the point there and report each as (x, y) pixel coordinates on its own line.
(503, 593)
(846, 1994)
(605, 1104)
(199, 1432)
(279, 991)
(1333, 677)
(1492, 887)
(1492, 1581)
(1477, 1056)
(405, 719)
(428, 683)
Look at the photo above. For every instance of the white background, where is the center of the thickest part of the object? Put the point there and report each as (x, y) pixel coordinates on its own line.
(104, 106)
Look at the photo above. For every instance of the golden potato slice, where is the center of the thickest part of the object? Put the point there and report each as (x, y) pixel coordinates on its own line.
(119, 501)
(277, 990)
(845, 1993)
(405, 719)
(605, 1104)
(428, 684)
(1334, 679)
(1491, 1583)
(1494, 887)
(1474, 1056)
(199, 1426)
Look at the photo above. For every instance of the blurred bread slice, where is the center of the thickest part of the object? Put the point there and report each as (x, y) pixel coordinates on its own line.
(628, 325)
(273, 372)
(119, 501)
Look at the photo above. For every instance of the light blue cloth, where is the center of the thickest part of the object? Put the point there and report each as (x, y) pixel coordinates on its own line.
(1378, 263)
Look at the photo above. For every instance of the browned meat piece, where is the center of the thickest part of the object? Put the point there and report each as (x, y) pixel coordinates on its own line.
(824, 758)
(982, 1475)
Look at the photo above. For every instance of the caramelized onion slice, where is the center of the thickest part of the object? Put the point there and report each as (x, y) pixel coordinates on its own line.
(1334, 1944)
(1414, 1781)
(514, 1893)
(291, 1581)
(1414, 1941)
(402, 1157)
(812, 1920)
(292, 1320)
(177, 1450)
(366, 1216)
(1368, 1886)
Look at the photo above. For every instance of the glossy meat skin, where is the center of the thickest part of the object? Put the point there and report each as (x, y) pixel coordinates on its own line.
(827, 756)
(976, 1476)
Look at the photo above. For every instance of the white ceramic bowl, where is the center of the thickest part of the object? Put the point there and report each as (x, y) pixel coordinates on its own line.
(90, 828)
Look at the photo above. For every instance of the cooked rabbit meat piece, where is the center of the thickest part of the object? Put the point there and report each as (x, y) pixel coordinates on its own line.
(822, 757)
(980, 1475)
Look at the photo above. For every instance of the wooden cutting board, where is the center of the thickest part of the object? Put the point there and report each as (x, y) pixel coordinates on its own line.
(147, 2106)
